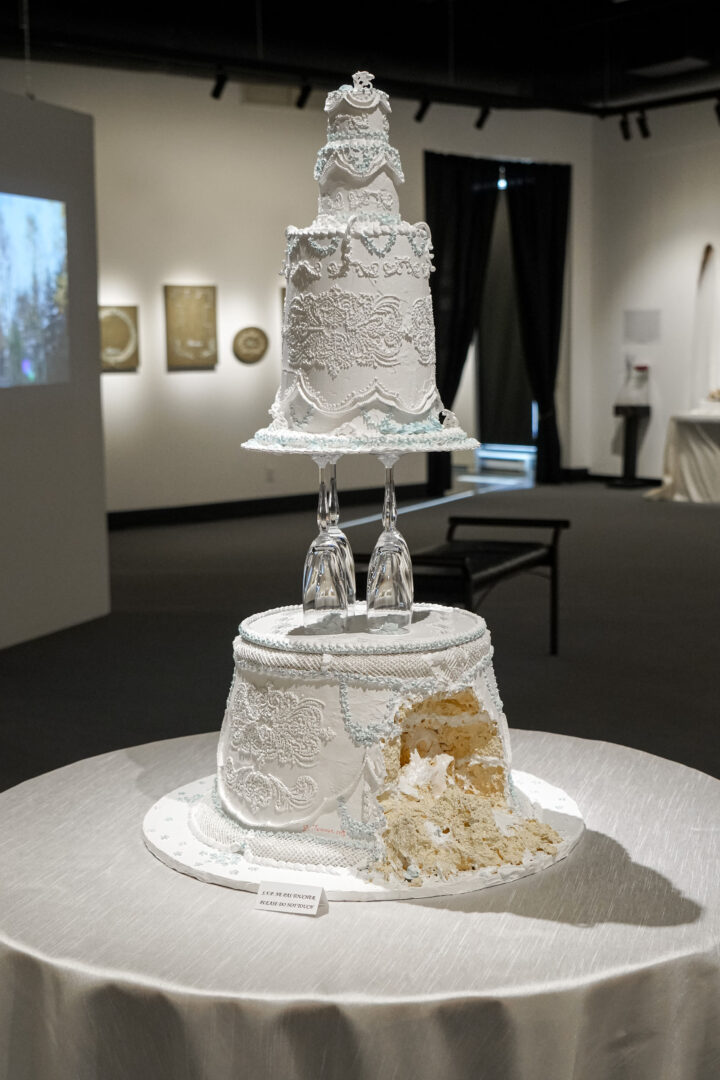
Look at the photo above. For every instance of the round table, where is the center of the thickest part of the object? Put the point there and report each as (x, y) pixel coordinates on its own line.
(691, 461)
(605, 965)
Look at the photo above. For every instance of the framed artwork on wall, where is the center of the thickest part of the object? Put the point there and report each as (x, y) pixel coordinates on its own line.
(250, 344)
(119, 343)
(191, 327)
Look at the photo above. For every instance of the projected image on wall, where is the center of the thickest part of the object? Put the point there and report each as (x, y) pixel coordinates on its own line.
(33, 291)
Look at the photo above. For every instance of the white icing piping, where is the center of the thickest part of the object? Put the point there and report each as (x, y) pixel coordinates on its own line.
(407, 691)
(247, 833)
(277, 439)
(376, 648)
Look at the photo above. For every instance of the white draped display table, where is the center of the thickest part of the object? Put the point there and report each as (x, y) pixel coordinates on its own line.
(604, 966)
(691, 464)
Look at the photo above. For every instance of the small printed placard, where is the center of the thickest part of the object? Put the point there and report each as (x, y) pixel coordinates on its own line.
(294, 899)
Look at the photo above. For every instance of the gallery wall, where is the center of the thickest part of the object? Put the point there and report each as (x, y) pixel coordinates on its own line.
(196, 191)
(656, 207)
(53, 541)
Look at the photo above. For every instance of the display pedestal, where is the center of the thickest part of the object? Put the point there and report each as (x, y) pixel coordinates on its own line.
(632, 415)
(691, 465)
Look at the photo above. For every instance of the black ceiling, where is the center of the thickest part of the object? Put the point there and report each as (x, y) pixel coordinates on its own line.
(577, 55)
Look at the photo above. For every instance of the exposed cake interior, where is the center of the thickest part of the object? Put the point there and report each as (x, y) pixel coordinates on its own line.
(447, 802)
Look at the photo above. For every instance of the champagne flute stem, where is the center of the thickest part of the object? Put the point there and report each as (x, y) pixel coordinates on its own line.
(389, 504)
(322, 511)
(333, 501)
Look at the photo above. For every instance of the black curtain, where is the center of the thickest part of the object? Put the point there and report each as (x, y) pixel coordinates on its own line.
(504, 396)
(538, 204)
(460, 199)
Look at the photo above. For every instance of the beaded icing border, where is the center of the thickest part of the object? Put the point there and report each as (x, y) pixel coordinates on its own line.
(335, 647)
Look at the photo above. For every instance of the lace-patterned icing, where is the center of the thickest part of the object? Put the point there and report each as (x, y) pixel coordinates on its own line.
(260, 790)
(331, 204)
(422, 330)
(269, 724)
(364, 201)
(416, 267)
(339, 329)
(347, 266)
(343, 126)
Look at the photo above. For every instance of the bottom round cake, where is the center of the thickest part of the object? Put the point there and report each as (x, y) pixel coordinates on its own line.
(377, 764)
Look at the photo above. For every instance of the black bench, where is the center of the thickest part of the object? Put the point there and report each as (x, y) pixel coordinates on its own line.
(461, 571)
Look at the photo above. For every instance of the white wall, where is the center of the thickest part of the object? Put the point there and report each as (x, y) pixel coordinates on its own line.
(657, 204)
(53, 543)
(197, 191)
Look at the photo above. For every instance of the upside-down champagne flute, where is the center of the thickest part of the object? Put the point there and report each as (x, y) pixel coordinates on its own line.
(341, 540)
(390, 577)
(325, 596)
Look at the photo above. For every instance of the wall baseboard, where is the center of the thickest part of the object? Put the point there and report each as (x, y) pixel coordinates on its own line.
(278, 504)
(582, 476)
(615, 480)
(575, 476)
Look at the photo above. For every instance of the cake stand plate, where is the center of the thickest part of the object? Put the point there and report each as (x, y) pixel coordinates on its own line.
(289, 441)
(168, 835)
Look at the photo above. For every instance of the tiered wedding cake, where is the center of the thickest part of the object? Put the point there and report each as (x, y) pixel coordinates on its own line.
(375, 763)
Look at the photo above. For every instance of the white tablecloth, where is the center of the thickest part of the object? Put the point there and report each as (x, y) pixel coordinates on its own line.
(691, 465)
(604, 966)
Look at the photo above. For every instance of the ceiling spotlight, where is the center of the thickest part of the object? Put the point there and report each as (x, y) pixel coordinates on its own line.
(625, 127)
(303, 96)
(482, 117)
(220, 83)
(642, 124)
(422, 109)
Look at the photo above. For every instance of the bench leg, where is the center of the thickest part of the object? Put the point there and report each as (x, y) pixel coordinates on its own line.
(554, 604)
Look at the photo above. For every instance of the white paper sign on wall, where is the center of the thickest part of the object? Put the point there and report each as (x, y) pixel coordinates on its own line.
(641, 327)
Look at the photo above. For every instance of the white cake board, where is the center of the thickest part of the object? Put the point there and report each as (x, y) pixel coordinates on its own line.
(289, 441)
(168, 836)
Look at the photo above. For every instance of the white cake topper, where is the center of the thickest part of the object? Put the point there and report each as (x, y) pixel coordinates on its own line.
(362, 94)
(362, 82)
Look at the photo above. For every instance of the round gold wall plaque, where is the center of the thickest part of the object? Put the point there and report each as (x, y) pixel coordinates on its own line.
(119, 338)
(250, 344)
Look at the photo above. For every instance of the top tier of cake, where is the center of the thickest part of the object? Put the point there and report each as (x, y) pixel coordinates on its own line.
(358, 358)
(358, 170)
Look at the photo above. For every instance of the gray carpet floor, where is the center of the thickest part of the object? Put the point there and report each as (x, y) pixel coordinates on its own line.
(638, 663)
